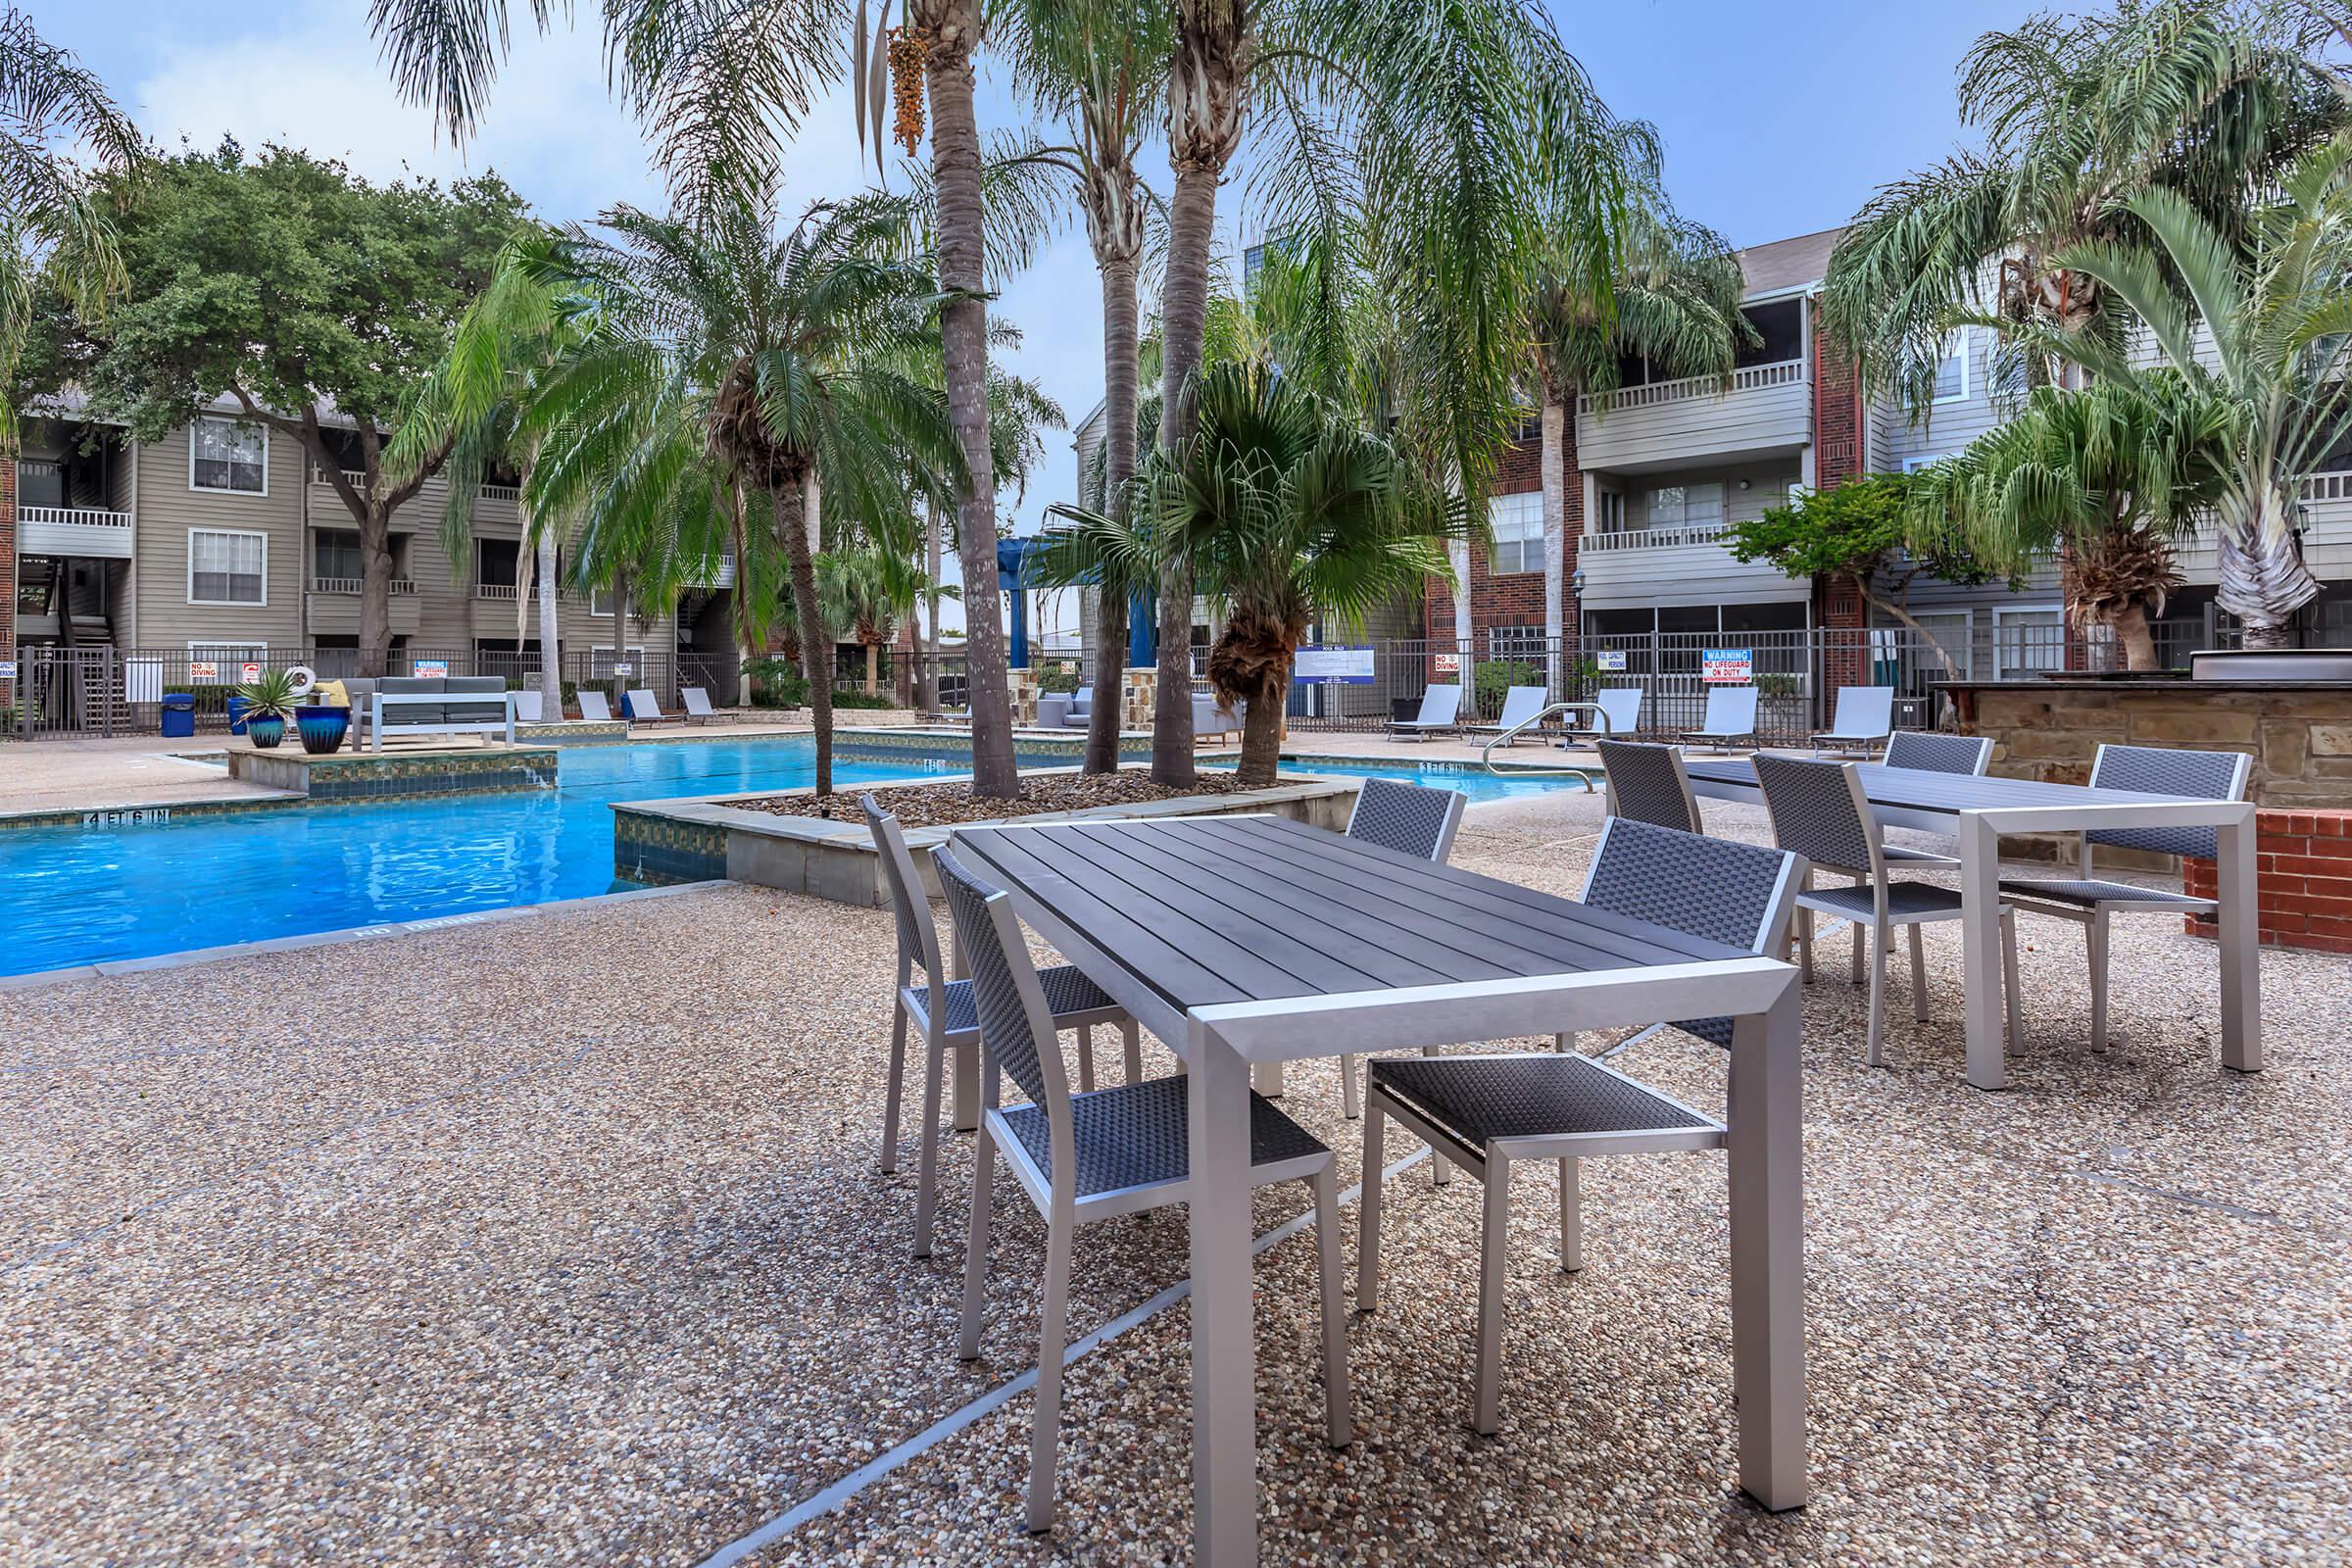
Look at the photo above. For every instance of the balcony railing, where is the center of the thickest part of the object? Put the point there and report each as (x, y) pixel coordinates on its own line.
(1747, 379)
(355, 477)
(351, 586)
(495, 590)
(501, 492)
(85, 531)
(1665, 538)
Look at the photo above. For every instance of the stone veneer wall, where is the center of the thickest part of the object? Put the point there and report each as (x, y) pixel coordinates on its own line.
(377, 776)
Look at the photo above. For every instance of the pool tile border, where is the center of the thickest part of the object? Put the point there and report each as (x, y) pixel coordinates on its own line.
(193, 957)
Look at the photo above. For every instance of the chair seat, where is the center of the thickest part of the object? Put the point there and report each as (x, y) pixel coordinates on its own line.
(2092, 893)
(1904, 900)
(1482, 1099)
(1137, 1135)
(1068, 993)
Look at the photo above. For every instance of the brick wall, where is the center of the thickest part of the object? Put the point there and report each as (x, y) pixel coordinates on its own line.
(2303, 880)
(1838, 455)
(1516, 599)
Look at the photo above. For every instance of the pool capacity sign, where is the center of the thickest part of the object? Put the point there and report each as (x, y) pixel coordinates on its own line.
(1733, 667)
(1326, 663)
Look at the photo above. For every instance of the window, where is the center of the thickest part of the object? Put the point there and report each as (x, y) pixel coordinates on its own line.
(1528, 644)
(495, 560)
(1518, 526)
(1686, 506)
(2028, 639)
(1952, 372)
(1913, 465)
(224, 454)
(335, 556)
(227, 567)
(1608, 511)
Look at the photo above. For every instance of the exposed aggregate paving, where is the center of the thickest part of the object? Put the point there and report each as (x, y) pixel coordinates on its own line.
(560, 1240)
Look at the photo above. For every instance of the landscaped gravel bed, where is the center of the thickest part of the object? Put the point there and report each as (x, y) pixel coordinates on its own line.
(944, 805)
(560, 1240)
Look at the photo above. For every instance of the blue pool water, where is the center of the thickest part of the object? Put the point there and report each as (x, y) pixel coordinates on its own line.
(1468, 778)
(90, 895)
(77, 895)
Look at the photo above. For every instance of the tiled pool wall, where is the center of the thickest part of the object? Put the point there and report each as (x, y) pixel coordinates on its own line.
(654, 851)
(385, 775)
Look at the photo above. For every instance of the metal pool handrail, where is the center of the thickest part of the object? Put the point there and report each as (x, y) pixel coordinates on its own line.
(1579, 774)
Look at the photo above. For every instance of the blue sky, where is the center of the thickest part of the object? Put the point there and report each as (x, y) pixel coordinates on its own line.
(1777, 122)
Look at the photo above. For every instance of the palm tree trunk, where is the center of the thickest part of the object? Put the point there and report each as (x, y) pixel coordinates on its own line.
(927, 693)
(873, 668)
(551, 652)
(790, 502)
(954, 31)
(2140, 645)
(2263, 578)
(1119, 351)
(1261, 740)
(620, 641)
(1184, 323)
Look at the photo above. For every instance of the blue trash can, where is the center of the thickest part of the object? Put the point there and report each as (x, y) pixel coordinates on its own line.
(236, 714)
(180, 715)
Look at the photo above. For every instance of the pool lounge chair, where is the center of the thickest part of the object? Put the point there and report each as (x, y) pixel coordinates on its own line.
(643, 709)
(1440, 710)
(1865, 718)
(1209, 717)
(594, 707)
(1620, 717)
(527, 708)
(1730, 716)
(698, 703)
(1519, 705)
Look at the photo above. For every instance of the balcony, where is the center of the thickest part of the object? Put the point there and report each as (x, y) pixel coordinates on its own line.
(83, 532)
(335, 606)
(1762, 410)
(1681, 565)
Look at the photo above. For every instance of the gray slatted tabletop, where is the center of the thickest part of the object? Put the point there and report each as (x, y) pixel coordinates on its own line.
(1242, 941)
(1978, 810)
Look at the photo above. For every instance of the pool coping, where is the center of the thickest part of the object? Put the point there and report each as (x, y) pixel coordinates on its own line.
(192, 957)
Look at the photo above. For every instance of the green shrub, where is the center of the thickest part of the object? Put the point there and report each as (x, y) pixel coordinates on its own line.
(1054, 678)
(864, 699)
(777, 683)
(1775, 686)
(1495, 679)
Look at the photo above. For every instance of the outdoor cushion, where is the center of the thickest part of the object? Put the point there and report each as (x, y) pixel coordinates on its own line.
(490, 713)
(398, 713)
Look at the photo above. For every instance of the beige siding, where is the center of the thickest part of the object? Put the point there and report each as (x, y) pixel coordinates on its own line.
(169, 509)
(1697, 429)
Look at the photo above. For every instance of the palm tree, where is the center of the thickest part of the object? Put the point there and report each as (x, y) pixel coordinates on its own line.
(729, 369)
(2078, 114)
(54, 223)
(2102, 478)
(1097, 66)
(1286, 510)
(1675, 302)
(2275, 320)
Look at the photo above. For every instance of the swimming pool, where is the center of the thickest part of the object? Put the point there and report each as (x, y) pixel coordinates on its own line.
(77, 894)
(96, 894)
(1469, 778)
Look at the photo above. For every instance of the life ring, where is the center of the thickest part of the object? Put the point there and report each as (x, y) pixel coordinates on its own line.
(304, 678)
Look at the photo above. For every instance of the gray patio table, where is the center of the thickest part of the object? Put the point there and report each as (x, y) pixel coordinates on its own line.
(1979, 810)
(1247, 940)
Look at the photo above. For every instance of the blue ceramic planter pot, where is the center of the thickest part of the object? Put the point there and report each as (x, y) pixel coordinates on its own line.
(266, 733)
(323, 729)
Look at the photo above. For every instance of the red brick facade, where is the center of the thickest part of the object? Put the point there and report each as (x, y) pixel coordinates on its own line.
(1840, 451)
(2303, 871)
(1516, 599)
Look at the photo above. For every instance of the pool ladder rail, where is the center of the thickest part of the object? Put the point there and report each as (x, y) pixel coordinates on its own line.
(1583, 776)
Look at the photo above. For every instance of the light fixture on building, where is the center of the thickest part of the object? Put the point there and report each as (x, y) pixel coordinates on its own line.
(1744, 484)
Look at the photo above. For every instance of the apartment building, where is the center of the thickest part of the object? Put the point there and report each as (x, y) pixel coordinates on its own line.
(223, 543)
(1656, 476)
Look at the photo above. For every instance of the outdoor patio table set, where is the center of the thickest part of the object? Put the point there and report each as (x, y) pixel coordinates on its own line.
(1240, 942)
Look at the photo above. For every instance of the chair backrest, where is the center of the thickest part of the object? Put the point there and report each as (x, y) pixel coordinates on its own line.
(1720, 888)
(1519, 705)
(1864, 711)
(642, 704)
(1647, 783)
(1620, 710)
(1407, 818)
(593, 706)
(918, 938)
(1015, 1021)
(1927, 751)
(1818, 810)
(527, 708)
(1731, 710)
(1440, 705)
(2160, 770)
(697, 702)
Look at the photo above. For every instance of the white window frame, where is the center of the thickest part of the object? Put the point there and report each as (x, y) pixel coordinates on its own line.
(220, 489)
(1913, 465)
(1525, 645)
(1961, 346)
(1522, 516)
(262, 603)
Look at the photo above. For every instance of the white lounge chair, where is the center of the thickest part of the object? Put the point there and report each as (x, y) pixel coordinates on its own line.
(1865, 718)
(1519, 705)
(527, 708)
(1209, 717)
(1441, 709)
(594, 707)
(1620, 716)
(698, 703)
(1730, 716)
(643, 709)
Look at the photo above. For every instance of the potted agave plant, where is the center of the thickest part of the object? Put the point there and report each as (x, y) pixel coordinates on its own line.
(268, 703)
